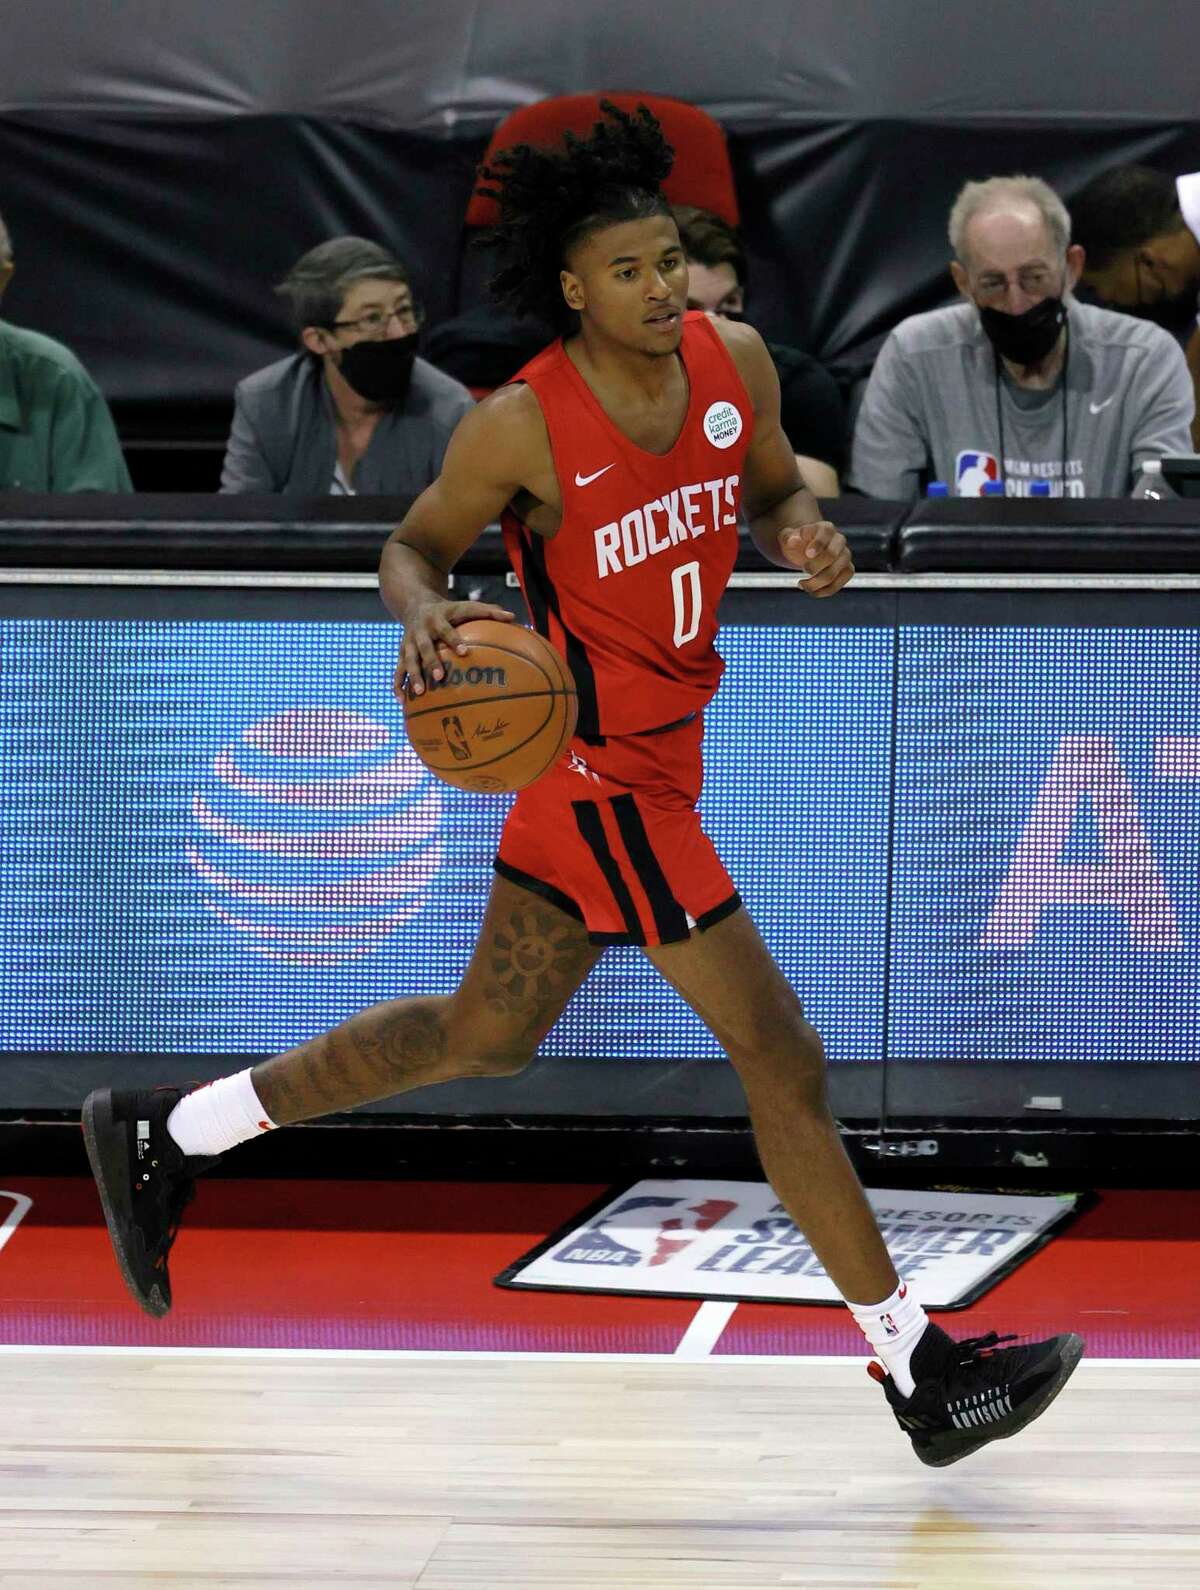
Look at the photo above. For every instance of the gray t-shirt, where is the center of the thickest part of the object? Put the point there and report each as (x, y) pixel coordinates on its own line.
(284, 440)
(938, 401)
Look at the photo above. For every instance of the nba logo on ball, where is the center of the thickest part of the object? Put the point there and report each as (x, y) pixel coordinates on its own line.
(316, 834)
(722, 424)
(973, 471)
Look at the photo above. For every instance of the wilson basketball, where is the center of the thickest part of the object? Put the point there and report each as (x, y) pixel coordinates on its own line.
(501, 715)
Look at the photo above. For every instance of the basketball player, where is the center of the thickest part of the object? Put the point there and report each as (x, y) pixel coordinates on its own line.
(618, 459)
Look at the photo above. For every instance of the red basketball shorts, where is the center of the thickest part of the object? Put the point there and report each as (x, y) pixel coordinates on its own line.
(611, 835)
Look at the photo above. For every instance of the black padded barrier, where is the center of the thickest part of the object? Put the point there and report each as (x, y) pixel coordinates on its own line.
(322, 534)
(1094, 536)
(97, 531)
(346, 534)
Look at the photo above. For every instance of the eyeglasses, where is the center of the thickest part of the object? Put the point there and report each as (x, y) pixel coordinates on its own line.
(1032, 282)
(375, 322)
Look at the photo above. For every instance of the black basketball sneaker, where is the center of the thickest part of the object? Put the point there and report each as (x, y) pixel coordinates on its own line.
(971, 1392)
(145, 1184)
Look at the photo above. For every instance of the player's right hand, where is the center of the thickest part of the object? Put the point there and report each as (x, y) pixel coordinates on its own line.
(429, 640)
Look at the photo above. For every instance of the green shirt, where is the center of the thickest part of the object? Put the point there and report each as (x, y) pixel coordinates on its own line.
(56, 433)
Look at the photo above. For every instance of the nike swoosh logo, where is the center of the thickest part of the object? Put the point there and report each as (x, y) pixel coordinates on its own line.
(1096, 407)
(586, 480)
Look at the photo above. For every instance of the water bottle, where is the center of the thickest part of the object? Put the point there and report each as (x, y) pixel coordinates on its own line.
(937, 488)
(1150, 483)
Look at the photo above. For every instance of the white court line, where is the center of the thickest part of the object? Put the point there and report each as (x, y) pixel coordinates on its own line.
(21, 1207)
(374, 1355)
(705, 1329)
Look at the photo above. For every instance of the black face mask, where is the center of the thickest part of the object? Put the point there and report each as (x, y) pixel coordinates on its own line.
(1028, 338)
(381, 371)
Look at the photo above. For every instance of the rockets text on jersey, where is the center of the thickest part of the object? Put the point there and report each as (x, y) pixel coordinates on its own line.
(666, 522)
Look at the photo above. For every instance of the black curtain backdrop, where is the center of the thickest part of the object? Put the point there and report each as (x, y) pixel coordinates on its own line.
(149, 244)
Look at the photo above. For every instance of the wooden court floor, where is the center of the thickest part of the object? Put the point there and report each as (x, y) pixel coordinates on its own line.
(131, 1467)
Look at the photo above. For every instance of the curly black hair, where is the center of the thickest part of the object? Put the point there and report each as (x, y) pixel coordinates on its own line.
(551, 199)
(1123, 208)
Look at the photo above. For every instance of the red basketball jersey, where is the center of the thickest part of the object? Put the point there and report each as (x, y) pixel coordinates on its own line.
(628, 588)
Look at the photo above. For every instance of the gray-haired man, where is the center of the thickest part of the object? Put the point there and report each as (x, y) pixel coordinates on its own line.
(355, 412)
(1019, 383)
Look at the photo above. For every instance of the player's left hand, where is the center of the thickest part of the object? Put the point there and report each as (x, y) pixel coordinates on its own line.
(821, 550)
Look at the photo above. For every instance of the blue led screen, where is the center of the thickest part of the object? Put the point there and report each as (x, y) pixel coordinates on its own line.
(216, 839)
(1047, 845)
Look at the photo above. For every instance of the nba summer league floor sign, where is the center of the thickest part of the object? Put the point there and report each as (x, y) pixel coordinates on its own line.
(732, 1239)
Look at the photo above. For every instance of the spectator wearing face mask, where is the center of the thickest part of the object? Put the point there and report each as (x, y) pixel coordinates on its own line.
(1140, 232)
(811, 410)
(355, 411)
(1020, 382)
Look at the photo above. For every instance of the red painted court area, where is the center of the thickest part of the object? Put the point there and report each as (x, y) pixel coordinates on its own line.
(410, 1265)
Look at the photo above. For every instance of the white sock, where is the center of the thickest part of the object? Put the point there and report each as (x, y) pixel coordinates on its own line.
(893, 1328)
(218, 1115)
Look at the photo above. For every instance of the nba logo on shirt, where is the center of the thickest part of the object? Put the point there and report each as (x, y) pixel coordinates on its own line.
(973, 471)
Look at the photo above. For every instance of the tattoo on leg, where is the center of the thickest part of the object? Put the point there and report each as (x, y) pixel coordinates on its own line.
(338, 1066)
(534, 963)
(280, 1097)
(381, 1051)
(523, 973)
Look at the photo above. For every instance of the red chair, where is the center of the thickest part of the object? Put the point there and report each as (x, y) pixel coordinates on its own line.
(702, 174)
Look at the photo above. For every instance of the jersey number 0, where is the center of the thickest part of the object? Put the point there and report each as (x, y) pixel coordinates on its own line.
(685, 590)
